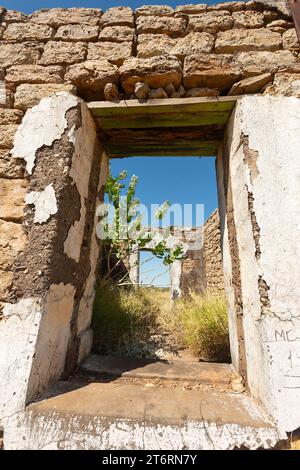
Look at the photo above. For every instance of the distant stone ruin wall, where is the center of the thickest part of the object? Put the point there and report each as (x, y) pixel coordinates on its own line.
(155, 52)
(213, 254)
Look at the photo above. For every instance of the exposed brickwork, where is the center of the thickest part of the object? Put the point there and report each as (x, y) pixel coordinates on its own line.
(212, 46)
(212, 253)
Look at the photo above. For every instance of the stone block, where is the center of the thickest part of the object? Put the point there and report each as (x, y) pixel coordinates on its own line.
(256, 62)
(211, 71)
(117, 34)
(10, 167)
(157, 72)
(6, 96)
(112, 51)
(28, 32)
(161, 25)
(10, 116)
(7, 133)
(241, 40)
(28, 95)
(12, 241)
(211, 22)
(77, 32)
(150, 45)
(17, 54)
(61, 16)
(290, 39)
(154, 10)
(12, 199)
(285, 84)
(6, 280)
(34, 74)
(248, 19)
(119, 16)
(90, 77)
(13, 16)
(250, 85)
(59, 52)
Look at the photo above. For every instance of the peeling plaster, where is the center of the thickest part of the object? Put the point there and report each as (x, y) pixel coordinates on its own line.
(44, 202)
(37, 129)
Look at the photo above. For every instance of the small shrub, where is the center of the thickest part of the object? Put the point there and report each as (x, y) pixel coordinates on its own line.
(205, 326)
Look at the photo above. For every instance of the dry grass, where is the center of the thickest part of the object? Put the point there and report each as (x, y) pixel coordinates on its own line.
(125, 321)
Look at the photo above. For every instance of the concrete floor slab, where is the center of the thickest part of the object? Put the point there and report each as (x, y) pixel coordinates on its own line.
(178, 370)
(124, 416)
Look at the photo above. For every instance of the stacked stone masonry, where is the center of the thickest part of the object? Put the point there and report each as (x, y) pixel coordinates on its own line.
(193, 50)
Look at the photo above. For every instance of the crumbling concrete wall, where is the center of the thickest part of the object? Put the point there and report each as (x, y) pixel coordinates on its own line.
(154, 52)
(48, 246)
(260, 172)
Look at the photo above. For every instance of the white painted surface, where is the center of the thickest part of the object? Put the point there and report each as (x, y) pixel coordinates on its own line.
(44, 203)
(272, 334)
(42, 125)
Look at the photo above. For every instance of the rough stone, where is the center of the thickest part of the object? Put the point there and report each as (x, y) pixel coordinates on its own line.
(16, 54)
(28, 32)
(170, 89)
(248, 19)
(7, 133)
(119, 16)
(10, 167)
(193, 43)
(150, 45)
(117, 34)
(161, 24)
(6, 280)
(156, 72)
(141, 90)
(256, 63)
(250, 85)
(194, 92)
(61, 16)
(157, 93)
(59, 52)
(10, 116)
(211, 22)
(12, 241)
(241, 40)
(111, 92)
(6, 96)
(13, 16)
(191, 9)
(28, 95)
(12, 199)
(290, 40)
(77, 32)
(285, 84)
(154, 10)
(280, 5)
(179, 93)
(230, 6)
(34, 74)
(90, 77)
(112, 51)
(211, 71)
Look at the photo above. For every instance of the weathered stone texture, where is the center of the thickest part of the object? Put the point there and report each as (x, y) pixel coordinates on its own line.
(117, 34)
(6, 96)
(28, 32)
(12, 241)
(90, 77)
(15, 54)
(28, 95)
(10, 116)
(240, 40)
(212, 71)
(248, 19)
(256, 63)
(161, 25)
(250, 85)
(161, 44)
(190, 9)
(77, 32)
(157, 72)
(10, 167)
(112, 51)
(7, 133)
(154, 10)
(13, 16)
(230, 6)
(285, 84)
(61, 16)
(122, 16)
(212, 254)
(34, 74)
(211, 21)
(59, 52)
(12, 199)
(290, 40)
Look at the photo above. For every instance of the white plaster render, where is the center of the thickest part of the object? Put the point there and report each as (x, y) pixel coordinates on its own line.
(57, 431)
(272, 332)
(84, 141)
(44, 202)
(53, 338)
(42, 125)
(18, 336)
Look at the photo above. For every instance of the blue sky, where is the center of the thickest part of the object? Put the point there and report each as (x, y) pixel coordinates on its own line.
(30, 6)
(184, 180)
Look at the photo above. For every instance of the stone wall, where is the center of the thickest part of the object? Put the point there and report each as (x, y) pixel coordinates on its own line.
(157, 52)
